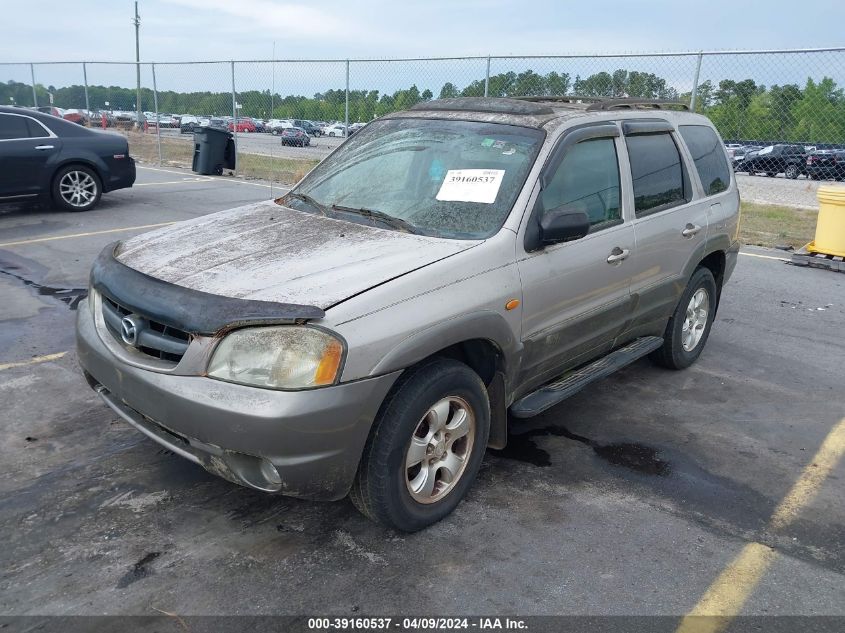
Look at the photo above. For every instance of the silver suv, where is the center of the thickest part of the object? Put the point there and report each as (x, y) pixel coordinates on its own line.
(370, 332)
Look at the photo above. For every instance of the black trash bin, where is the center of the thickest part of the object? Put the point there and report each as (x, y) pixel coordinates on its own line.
(214, 151)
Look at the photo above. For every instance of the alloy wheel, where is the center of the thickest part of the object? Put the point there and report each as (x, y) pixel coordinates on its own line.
(439, 450)
(698, 311)
(78, 189)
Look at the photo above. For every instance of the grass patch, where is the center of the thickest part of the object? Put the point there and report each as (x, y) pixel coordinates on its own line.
(771, 225)
(179, 152)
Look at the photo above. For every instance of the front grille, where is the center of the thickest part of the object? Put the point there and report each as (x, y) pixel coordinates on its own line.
(153, 338)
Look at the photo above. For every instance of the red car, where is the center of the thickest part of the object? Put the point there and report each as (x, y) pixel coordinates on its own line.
(242, 125)
(74, 116)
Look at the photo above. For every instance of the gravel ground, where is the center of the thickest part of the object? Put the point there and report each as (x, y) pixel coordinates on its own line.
(791, 193)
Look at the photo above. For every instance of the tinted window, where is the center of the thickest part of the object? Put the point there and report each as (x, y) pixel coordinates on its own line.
(35, 129)
(13, 126)
(657, 173)
(709, 157)
(587, 180)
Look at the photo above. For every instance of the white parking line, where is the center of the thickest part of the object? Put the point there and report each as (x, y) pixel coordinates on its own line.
(780, 259)
(225, 179)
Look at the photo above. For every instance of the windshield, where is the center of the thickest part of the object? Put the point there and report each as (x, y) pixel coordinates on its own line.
(445, 178)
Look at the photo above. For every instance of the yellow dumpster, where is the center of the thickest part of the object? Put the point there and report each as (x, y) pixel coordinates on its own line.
(830, 228)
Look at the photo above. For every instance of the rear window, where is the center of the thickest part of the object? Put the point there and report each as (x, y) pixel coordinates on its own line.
(657, 173)
(708, 156)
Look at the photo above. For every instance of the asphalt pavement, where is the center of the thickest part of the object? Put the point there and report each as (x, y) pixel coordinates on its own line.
(642, 495)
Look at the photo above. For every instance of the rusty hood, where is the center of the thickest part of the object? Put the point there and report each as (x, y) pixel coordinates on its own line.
(268, 252)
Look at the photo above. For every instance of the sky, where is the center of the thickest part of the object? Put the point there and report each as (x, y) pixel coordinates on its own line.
(182, 30)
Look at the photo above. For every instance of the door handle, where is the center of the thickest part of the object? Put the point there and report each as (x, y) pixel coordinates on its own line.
(617, 255)
(690, 230)
(43, 147)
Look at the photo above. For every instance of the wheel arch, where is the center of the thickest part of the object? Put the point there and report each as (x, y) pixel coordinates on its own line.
(484, 342)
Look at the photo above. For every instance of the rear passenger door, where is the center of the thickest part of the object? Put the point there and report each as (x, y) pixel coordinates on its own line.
(670, 225)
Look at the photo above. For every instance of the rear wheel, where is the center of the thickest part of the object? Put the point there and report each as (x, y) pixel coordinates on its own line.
(76, 188)
(425, 447)
(688, 329)
(791, 172)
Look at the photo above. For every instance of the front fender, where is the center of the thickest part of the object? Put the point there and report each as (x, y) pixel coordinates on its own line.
(486, 325)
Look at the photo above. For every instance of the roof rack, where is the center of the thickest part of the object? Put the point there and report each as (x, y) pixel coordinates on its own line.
(560, 98)
(630, 103)
(484, 104)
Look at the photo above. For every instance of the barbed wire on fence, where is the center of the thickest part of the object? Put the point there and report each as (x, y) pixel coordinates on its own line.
(754, 97)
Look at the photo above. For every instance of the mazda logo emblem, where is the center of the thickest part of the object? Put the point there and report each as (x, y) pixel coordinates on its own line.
(129, 331)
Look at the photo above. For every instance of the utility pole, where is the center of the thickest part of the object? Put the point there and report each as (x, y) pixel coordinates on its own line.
(137, 23)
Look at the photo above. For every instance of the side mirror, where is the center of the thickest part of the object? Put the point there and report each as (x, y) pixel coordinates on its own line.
(560, 225)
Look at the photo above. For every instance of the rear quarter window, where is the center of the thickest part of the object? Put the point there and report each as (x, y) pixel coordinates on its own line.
(708, 156)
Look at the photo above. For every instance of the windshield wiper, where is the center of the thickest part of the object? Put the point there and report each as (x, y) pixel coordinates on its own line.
(380, 216)
(308, 200)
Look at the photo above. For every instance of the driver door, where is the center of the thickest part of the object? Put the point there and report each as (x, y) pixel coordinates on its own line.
(576, 295)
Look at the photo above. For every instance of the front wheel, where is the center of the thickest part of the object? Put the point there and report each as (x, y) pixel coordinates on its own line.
(791, 172)
(688, 329)
(425, 446)
(77, 188)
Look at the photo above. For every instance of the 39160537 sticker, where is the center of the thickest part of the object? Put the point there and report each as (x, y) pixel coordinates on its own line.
(471, 185)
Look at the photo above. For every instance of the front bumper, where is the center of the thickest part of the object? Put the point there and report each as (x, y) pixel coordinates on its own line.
(313, 439)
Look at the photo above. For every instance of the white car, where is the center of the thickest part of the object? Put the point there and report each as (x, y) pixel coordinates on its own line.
(275, 126)
(335, 130)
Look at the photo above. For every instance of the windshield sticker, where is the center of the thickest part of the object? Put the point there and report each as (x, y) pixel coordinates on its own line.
(471, 185)
(488, 142)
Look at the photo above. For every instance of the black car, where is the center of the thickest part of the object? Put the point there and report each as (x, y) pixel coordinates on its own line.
(45, 157)
(308, 126)
(826, 165)
(295, 136)
(789, 160)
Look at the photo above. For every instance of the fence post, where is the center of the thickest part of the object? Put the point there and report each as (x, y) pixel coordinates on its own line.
(234, 117)
(85, 81)
(158, 121)
(694, 94)
(487, 78)
(346, 109)
(32, 74)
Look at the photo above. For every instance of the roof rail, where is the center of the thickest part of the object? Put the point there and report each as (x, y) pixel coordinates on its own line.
(561, 98)
(629, 103)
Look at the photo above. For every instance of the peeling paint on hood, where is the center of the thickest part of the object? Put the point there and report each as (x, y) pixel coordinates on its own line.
(268, 252)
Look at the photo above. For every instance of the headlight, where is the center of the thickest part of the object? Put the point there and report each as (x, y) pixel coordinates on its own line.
(284, 357)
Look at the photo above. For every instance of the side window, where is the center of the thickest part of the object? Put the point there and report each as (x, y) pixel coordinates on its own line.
(12, 127)
(587, 180)
(709, 157)
(657, 173)
(35, 129)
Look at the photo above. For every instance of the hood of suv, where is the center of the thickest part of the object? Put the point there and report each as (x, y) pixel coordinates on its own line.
(268, 252)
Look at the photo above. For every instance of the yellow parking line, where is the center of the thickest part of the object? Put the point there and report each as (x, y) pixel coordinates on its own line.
(33, 361)
(808, 485)
(780, 259)
(220, 178)
(726, 596)
(67, 237)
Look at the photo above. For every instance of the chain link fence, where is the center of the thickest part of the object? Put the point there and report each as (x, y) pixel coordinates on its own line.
(755, 98)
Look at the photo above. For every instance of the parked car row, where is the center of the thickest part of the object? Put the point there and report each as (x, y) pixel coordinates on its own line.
(788, 159)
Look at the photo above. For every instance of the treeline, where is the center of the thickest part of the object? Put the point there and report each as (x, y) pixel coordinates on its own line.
(740, 109)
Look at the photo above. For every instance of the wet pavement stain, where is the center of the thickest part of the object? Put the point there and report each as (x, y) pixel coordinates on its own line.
(69, 296)
(636, 457)
(139, 570)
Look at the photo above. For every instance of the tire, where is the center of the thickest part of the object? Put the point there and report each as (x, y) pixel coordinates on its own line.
(76, 188)
(393, 493)
(791, 172)
(677, 353)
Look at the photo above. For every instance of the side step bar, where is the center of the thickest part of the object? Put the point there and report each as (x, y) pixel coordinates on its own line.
(574, 381)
